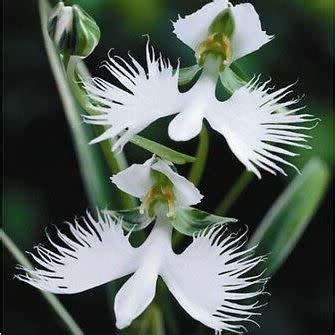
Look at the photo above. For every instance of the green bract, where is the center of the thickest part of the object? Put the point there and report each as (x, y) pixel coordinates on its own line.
(188, 220)
(73, 30)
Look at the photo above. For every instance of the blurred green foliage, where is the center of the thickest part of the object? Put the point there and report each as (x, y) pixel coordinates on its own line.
(24, 210)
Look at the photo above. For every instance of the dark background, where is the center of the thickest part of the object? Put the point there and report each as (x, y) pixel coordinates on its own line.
(43, 185)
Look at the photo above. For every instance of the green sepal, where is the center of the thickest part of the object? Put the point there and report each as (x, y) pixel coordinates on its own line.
(187, 74)
(188, 220)
(285, 222)
(223, 23)
(132, 219)
(232, 78)
(162, 151)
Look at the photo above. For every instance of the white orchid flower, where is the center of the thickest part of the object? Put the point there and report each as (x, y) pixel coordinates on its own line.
(255, 120)
(209, 279)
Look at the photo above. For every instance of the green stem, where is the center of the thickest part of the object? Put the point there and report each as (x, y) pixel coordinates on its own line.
(241, 183)
(56, 305)
(198, 167)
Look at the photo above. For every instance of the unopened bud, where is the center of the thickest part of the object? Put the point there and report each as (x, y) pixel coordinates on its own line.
(73, 30)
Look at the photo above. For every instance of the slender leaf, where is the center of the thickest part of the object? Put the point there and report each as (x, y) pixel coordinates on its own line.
(162, 151)
(289, 216)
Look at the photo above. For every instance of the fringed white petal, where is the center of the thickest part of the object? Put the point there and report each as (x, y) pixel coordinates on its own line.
(193, 28)
(210, 280)
(145, 96)
(247, 37)
(96, 253)
(257, 123)
(186, 193)
(135, 180)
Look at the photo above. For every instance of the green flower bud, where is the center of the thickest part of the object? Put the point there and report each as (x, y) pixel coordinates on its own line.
(73, 31)
(218, 41)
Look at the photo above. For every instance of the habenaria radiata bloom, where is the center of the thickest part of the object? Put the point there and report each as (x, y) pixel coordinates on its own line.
(255, 120)
(211, 279)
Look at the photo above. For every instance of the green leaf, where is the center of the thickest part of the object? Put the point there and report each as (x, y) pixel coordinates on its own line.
(162, 151)
(188, 220)
(186, 74)
(289, 216)
(132, 219)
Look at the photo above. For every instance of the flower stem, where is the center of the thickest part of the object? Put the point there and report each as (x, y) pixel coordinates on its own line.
(56, 305)
(198, 167)
(240, 184)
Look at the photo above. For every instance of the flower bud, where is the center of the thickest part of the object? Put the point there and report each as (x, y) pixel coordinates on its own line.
(73, 31)
(218, 41)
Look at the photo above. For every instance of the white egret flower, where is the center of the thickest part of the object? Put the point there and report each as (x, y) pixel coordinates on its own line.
(255, 120)
(211, 279)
